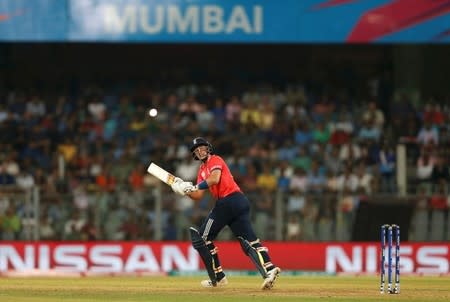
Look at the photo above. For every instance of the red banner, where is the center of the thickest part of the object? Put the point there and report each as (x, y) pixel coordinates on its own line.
(130, 257)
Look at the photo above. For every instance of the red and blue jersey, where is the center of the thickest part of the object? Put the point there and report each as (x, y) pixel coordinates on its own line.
(226, 185)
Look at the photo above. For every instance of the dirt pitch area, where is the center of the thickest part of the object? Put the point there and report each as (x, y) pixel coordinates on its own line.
(187, 289)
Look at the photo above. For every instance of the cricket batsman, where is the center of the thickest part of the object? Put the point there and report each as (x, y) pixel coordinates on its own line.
(232, 208)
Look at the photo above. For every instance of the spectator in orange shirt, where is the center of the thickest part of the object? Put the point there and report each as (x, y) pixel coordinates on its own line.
(105, 180)
(136, 178)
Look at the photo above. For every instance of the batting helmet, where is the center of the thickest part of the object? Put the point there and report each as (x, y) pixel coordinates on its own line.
(200, 141)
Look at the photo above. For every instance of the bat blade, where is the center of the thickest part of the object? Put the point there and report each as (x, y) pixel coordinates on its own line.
(161, 174)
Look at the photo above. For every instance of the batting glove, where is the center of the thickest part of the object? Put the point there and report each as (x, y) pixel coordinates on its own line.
(184, 185)
(176, 186)
(190, 189)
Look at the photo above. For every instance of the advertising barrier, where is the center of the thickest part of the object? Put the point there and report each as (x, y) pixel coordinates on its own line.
(156, 257)
(226, 21)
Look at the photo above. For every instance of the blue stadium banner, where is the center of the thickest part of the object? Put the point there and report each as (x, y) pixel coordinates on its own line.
(33, 20)
(226, 21)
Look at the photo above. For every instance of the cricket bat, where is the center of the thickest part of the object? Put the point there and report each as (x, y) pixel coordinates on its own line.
(161, 174)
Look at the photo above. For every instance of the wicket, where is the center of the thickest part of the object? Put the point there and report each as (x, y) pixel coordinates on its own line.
(390, 230)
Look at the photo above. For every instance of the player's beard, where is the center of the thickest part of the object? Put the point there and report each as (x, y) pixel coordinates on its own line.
(205, 158)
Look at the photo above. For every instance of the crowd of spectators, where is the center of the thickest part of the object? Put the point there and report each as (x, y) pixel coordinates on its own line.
(323, 153)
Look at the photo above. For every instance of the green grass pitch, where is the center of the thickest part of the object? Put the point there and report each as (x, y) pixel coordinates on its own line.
(240, 288)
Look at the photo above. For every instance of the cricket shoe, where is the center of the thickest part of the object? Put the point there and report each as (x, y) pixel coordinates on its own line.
(208, 283)
(272, 276)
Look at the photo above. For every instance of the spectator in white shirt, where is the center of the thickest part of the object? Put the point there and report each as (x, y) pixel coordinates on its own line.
(11, 166)
(347, 181)
(97, 109)
(374, 114)
(3, 113)
(364, 179)
(25, 180)
(299, 181)
(35, 107)
(425, 164)
(187, 169)
(349, 152)
(428, 135)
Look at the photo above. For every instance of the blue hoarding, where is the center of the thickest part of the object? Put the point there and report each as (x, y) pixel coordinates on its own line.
(33, 20)
(226, 21)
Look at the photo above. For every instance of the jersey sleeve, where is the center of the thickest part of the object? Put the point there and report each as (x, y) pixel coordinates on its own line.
(216, 163)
